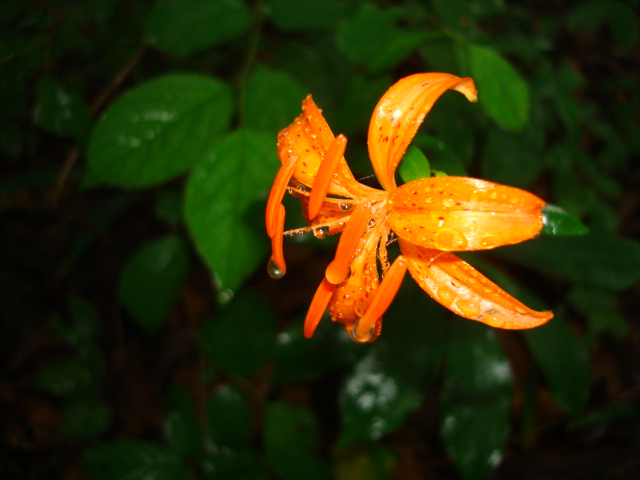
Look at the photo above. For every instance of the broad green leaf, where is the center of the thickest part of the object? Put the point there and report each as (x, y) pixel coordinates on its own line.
(557, 222)
(623, 21)
(303, 15)
(414, 165)
(181, 428)
(158, 130)
(381, 392)
(85, 418)
(132, 460)
(60, 111)
(66, 378)
(442, 160)
(510, 158)
(300, 359)
(563, 359)
(600, 308)
(290, 437)
(229, 417)
(151, 281)
(242, 337)
(185, 27)
(593, 260)
(477, 394)
(272, 100)
(224, 204)
(501, 89)
(372, 38)
(244, 464)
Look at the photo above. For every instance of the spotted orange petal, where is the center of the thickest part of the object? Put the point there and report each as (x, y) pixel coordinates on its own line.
(460, 213)
(466, 292)
(400, 113)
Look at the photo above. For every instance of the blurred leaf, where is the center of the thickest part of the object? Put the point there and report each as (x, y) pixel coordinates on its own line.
(441, 159)
(169, 207)
(563, 359)
(66, 378)
(414, 165)
(242, 464)
(476, 398)
(229, 417)
(368, 461)
(242, 337)
(290, 437)
(152, 279)
(390, 381)
(595, 260)
(558, 221)
(510, 158)
(234, 177)
(158, 130)
(59, 111)
(132, 460)
(623, 21)
(372, 38)
(608, 414)
(85, 418)
(455, 13)
(601, 310)
(272, 100)
(304, 15)
(181, 428)
(83, 324)
(300, 359)
(502, 91)
(185, 27)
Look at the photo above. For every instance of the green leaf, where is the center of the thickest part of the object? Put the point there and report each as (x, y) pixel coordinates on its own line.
(132, 460)
(66, 378)
(414, 165)
(169, 207)
(242, 337)
(477, 394)
(557, 222)
(59, 111)
(185, 27)
(224, 205)
(623, 22)
(181, 428)
(151, 281)
(158, 130)
(303, 15)
(229, 417)
(441, 159)
(372, 38)
(510, 158)
(85, 418)
(381, 392)
(367, 461)
(563, 359)
(244, 464)
(501, 89)
(593, 260)
(290, 437)
(300, 359)
(83, 325)
(272, 100)
(600, 307)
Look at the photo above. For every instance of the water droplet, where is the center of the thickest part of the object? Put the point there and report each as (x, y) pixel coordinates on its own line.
(321, 232)
(348, 300)
(493, 321)
(273, 270)
(345, 206)
(372, 223)
(225, 295)
(362, 336)
(449, 202)
(469, 308)
(446, 296)
(450, 239)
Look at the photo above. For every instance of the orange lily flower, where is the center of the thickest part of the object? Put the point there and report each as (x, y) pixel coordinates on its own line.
(429, 217)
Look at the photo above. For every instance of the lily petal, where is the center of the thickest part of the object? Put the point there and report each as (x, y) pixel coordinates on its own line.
(465, 291)
(318, 306)
(309, 138)
(460, 213)
(400, 113)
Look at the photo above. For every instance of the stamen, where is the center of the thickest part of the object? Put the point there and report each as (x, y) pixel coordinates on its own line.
(318, 307)
(325, 174)
(364, 329)
(277, 267)
(338, 270)
(277, 193)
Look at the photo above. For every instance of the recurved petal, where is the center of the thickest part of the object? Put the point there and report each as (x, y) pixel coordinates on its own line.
(400, 113)
(466, 292)
(460, 213)
(308, 138)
